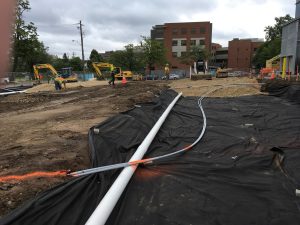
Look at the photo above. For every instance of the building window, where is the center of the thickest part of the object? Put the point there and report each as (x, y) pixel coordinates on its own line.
(183, 42)
(174, 54)
(183, 31)
(192, 42)
(193, 31)
(174, 43)
(202, 30)
(183, 54)
(174, 31)
(202, 42)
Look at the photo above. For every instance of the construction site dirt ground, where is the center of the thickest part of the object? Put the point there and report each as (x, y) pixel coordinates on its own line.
(46, 130)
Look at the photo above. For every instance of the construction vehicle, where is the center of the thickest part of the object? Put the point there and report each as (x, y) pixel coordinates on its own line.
(201, 71)
(103, 71)
(38, 76)
(68, 74)
(272, 65)
(222, 73)
(68, 77)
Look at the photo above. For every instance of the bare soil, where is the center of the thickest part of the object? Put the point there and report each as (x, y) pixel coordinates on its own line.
(45, 130)
(229, 89)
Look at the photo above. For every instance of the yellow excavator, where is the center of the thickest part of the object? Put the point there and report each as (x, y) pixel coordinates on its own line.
(67, 75)
(37, 67)
(102, 69)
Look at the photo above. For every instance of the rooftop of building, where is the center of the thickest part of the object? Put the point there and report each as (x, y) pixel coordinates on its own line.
(163, 25)
(249, 39)
(294, 20)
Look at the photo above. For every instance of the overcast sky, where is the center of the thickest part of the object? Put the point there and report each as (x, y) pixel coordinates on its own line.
(111, 24)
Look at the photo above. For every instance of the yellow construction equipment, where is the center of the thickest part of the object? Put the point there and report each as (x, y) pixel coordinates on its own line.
(101, 68)
(223, 73)
(37, 67)
(273, 63)
(68, 76)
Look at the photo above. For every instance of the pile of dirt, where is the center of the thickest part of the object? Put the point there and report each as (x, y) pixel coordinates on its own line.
(201, 87)
(50, 87)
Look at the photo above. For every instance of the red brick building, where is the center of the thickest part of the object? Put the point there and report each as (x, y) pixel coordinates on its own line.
(241, 52)
(179, 37)
(214, 47)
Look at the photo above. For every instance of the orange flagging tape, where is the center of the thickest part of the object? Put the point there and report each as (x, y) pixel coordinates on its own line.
(33, 175)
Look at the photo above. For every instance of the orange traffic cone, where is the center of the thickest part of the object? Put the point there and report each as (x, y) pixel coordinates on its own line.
(273, 75)
(124, 81)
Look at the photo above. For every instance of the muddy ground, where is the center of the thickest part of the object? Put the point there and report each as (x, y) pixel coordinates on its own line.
(47, 130)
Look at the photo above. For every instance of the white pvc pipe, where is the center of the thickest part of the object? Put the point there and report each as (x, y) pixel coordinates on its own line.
(107, 204)
(11, 92)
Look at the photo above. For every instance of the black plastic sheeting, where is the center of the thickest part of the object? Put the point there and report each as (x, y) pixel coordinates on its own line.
(245, 170)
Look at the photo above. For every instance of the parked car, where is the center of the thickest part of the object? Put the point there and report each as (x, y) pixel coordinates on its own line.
(172, 76)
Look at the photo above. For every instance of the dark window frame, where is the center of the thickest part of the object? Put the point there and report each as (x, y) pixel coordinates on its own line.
(183, 30)
(175, 31)
(183, 41)
(173, 41)
(202, 30)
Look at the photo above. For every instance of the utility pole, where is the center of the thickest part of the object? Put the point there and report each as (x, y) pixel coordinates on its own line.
(82, 51)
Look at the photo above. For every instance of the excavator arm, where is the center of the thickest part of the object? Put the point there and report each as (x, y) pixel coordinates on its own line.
(37, 67)
(273, 63)
(98, 66)
(98, 72)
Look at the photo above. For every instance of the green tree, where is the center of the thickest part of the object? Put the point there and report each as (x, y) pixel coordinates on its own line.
(76, 63)
(65, 60)
(272, 46)
(128, 59)
(153, 52)
(27, 49)
(94, 57)
(266, 51)
(274, 32)
(194, 54)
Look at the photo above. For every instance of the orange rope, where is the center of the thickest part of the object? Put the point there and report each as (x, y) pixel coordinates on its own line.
(33, 175)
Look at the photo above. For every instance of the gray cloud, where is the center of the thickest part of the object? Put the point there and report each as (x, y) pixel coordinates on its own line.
(111, 24)
(229, 35)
